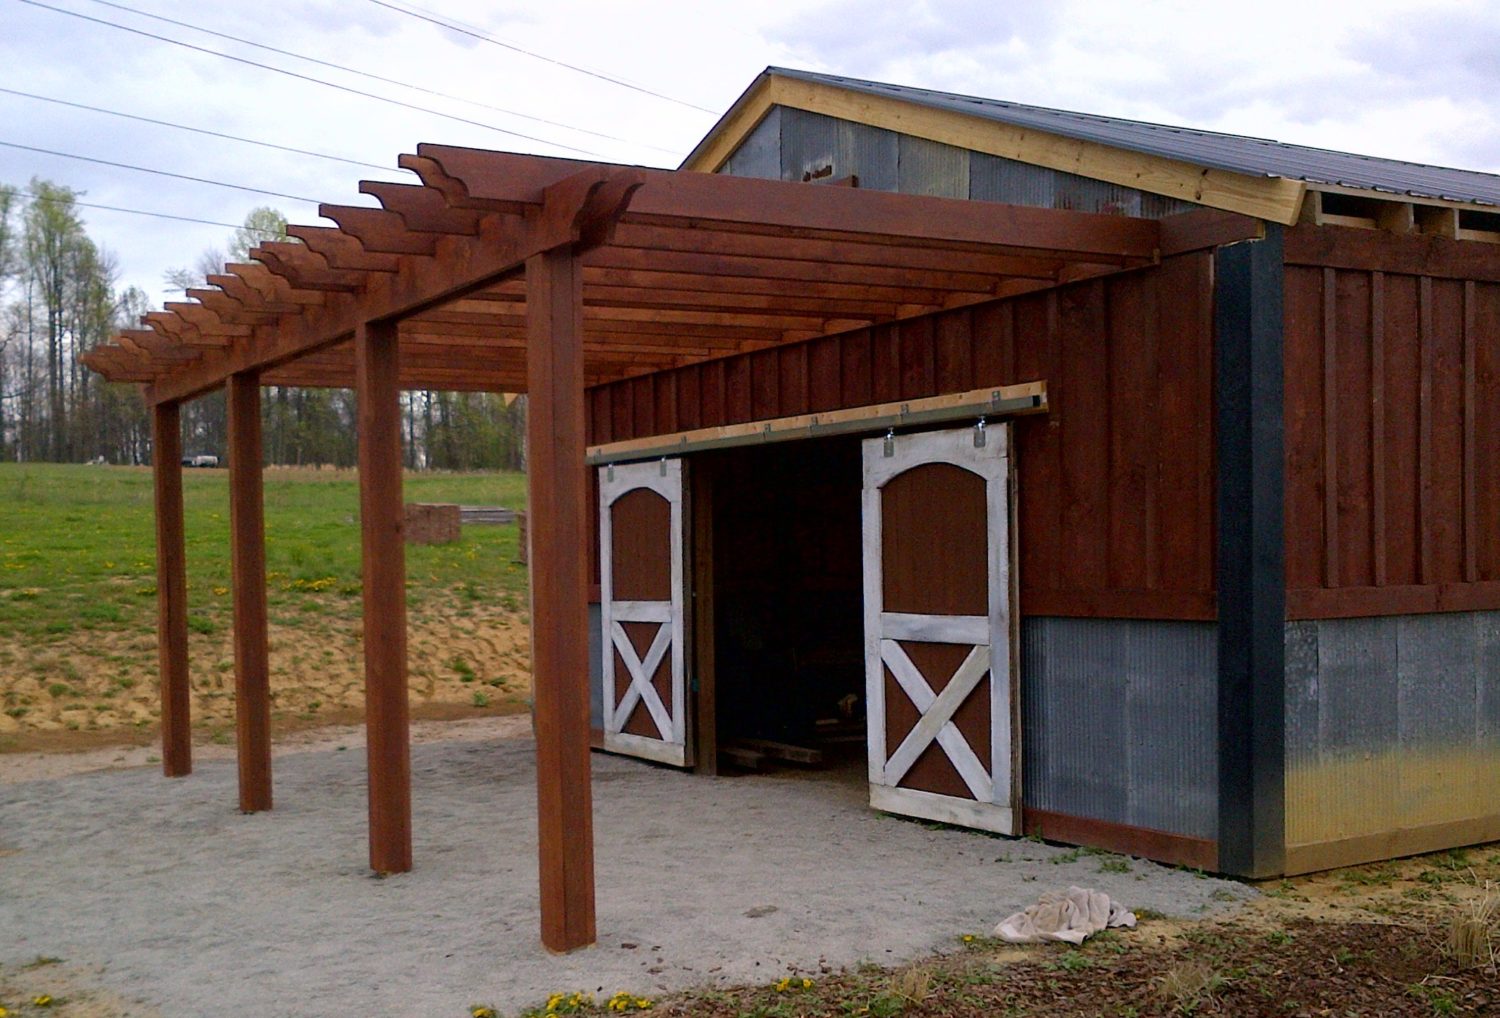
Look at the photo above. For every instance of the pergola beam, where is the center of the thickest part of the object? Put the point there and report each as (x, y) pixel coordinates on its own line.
(717, 199)
(460, 266)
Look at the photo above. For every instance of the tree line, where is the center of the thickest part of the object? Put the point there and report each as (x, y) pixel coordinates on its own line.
(60, 297)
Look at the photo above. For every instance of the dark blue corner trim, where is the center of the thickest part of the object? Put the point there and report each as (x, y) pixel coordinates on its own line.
(1251, 553)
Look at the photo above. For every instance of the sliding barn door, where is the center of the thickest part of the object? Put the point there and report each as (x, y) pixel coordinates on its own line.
(938, 658)
(642, 577)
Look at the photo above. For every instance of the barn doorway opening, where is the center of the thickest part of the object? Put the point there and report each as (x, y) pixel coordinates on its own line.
(789, 670)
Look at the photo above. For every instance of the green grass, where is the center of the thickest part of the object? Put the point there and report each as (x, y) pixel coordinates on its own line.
(77, 549)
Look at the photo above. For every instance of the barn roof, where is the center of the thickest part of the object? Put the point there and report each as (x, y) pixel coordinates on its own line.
(1259, 163)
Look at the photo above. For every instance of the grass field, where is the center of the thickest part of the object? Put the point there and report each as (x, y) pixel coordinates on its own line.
(78, 595)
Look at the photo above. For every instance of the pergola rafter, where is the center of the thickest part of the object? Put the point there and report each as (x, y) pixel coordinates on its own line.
(715, 264)
(511, 273)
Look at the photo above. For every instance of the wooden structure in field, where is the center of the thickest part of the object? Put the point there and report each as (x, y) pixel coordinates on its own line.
(1139, 494)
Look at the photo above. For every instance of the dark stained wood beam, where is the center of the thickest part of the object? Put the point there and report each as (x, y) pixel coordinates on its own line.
(648, 278)
(773, 203)
(343, 251)
(247, 534)
(171, 591)
(423, 209)
(460, 266)
(559, 595)
(887, 251)
(270, 287)
(788, 270)
(383, 548)
(378, 230)
(304, 269)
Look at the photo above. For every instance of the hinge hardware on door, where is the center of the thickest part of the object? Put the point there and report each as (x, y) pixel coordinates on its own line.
(979, 434)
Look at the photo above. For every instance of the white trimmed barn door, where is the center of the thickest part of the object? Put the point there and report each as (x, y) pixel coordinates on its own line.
(939, 678)
(642, 570)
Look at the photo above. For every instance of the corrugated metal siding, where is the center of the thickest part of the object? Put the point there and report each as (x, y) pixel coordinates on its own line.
(759, 155)
(790, 143)
(1120, 721)
(1391, 724)
(1487, 663)
(808, 144)
(932, 168)
(992, 178)
(596, 667)
(871, 153)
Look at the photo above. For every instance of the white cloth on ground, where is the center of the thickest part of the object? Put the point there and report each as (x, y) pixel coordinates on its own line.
(1070, 916)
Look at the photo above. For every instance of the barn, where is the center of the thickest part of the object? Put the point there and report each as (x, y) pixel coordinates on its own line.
(1128, 485)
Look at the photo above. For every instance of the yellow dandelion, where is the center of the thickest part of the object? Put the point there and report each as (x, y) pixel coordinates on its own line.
(481, 1012)
(782, 985)
(641, 1002)
(968, 938)
(42, 1000)
(806, 983)
(3, 1012)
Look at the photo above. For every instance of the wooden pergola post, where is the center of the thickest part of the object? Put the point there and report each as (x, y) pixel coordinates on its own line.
(557, 519)
(252, 681)
(171, 591)
(384, 567)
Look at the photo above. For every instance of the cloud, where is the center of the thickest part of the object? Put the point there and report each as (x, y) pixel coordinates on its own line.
(856, 37)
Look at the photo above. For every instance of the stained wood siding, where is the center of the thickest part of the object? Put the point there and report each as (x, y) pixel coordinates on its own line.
(1392, 358)
(1116, 499)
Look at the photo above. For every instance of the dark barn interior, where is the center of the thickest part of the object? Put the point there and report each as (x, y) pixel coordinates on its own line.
(787, 594)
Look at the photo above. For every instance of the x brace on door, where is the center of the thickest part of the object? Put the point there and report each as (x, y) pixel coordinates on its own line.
(642, 669)
(936, 722)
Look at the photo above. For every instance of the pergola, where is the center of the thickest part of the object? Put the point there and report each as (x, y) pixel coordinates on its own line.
(516, 273)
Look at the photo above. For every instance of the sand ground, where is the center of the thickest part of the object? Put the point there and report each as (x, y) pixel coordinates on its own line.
(145, 896)
(473, 655)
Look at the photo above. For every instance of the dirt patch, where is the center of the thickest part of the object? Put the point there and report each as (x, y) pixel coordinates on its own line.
(53, 987)
(442, 723)
(1307, 968)
(464, 657)
(1363, 941)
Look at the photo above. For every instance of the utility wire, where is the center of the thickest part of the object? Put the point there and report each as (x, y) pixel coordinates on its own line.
(309, 78)
(368, 74)
(33, 196)
(200, 130)
(483, 37)
(159, 173)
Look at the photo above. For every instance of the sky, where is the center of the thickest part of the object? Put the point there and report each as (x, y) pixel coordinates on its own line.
(643, 82)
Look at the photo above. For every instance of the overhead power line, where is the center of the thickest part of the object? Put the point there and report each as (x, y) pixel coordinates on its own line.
(309, 78)
(33, 196)
(369, 74)
(474, 33)
(159, 173)
(201, 130)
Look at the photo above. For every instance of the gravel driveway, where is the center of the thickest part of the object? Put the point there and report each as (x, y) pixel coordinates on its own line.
(172, 900)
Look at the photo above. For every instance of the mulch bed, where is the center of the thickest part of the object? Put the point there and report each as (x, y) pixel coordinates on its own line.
(1305, 968)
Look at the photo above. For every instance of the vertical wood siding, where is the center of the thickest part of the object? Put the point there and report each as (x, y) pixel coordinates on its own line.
(1393, 424)
(1116, 498)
